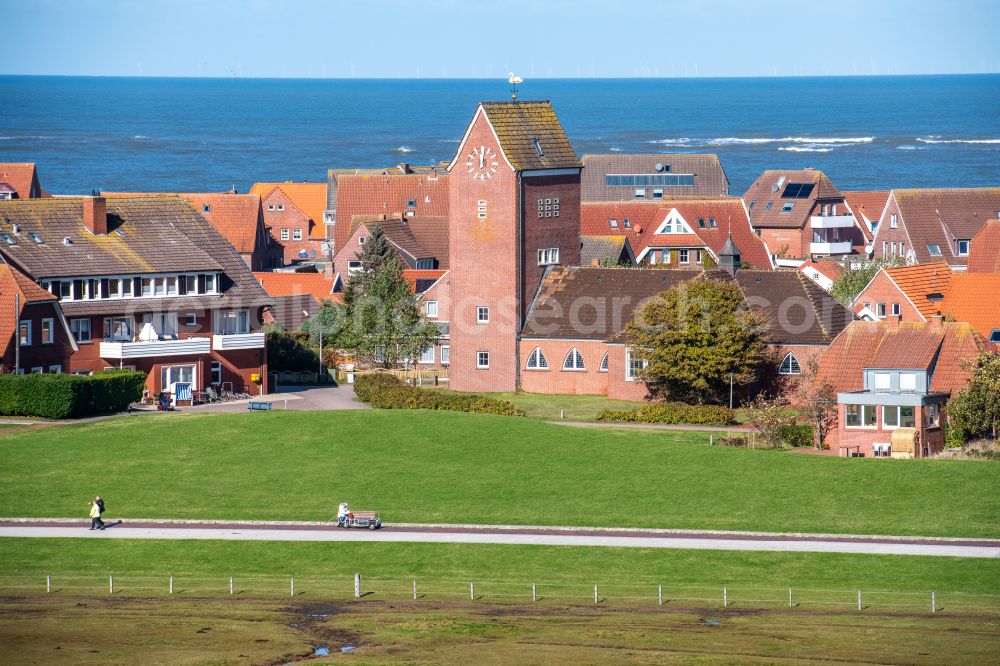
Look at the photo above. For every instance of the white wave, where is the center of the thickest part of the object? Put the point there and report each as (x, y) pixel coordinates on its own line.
(908, 147)
(615, 149)
(935, 139)
(403, 149)
(812, 140)
(26, 137)
(451, 141)
(805, 149)
(673, 142)
(140, 137)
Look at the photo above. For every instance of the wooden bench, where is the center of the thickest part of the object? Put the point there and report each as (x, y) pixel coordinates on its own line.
(258, 406)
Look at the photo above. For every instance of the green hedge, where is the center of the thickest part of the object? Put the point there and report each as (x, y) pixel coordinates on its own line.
(386, 391)
(672, 412)
(798, 434)
(69, 396)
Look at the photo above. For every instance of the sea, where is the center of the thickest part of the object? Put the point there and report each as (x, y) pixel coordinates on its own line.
(193, 134)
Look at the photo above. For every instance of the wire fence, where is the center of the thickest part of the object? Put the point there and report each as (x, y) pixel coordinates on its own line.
(608, 593)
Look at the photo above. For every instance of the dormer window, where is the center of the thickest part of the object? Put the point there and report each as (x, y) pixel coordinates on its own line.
(613, 223)
(934, 249)
(787, 208)
(963, 247)
(207, 208)
(626, 223)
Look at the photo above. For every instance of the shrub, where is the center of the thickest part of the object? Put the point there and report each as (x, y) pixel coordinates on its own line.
(671, 412)
(69, 396)
(288, 351)
(797, 434)
(386, 391)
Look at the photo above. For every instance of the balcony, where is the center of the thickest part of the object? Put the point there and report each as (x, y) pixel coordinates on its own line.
(237, 341)
(148, 348)
(837, 247)
(831, 221)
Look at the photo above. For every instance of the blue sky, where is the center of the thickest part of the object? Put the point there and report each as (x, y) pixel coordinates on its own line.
(481, 38)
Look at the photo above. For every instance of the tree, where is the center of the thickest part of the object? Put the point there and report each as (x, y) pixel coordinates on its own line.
(769, 418)
(287, 351)
(381, 320)
(693, 337)
(857, 276)
(975, 411)
(819, 399)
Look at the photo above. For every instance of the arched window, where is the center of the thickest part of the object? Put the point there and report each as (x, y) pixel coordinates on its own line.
(790, 365)
(574, 360)
(536, 360)
(604, 363)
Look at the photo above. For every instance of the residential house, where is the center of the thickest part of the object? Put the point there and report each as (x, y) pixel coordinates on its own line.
(433, 287)
(823, 272)
(606, 251)
(294, 213)
(628, 177)
(296, 296)
(984, 255)
(574, 341)
(419, 242)
(931, 225)
(914, 293)
(677, 232)
(867, 206)
(892, 374)
(33, 331)
(19, 180)
(404, 192)
(145, 283)
(238, 217)
(800, 214)
(973, 298)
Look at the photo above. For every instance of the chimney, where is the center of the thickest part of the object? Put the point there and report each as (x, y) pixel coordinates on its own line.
(95, 215)
(937, 321)
(404, 168)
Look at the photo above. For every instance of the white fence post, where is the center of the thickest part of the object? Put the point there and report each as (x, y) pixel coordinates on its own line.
(597, 599)
(659, 589)
(111, 584)
(48, 583)
(230, 585)
(171, 585)
(725, 597)
(859, 599)
(533, 596)
(789, 597)
(933, 603)
(472, 591)
(293, 586)
(414, 589)
(357, 585)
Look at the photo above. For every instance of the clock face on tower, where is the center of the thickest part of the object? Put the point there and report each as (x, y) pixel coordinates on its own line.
(482, 163)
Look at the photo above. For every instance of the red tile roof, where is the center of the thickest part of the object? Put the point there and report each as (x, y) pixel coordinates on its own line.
(770, 186)
(943, 216)
(973, 298)
(22, 177)
(827, 267)
(919, 280)
(310, 198)
(369, 195)
(984, 255)
(317, 285)
(941, 348)
(414, 274)
(867, 203)
(646, 216)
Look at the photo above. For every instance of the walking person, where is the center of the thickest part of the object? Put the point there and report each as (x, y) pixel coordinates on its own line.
(95, 516)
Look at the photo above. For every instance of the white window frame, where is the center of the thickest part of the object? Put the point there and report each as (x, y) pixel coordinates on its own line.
(38, 370)
(211, 283)
(240, 317)
(895, 309)
(862, 409)
(77, 329)
(24, 340)
(536, 360)
(431, 308)
(482, 314)
(958, 247)
(574, 361)
(794, 367)
(353, 267)
(548, 256)
(893, 221)
(882, 381)
(285, 235)
(482, 360)
(604, 363)
(683, 256)
(216, 373)
(630, 371)
(296, 234)
(55, 369)
(427, 356)
(445, 354)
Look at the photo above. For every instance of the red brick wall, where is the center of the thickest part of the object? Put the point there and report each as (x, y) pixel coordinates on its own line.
(590, 381)
(886, 234)
(883, 290)
(865, 437)
(618, 387)
(38, 354)
(795, 240)
(789, 385)
(483, 270)
(561, 232)
(349, 252)
(291, 218)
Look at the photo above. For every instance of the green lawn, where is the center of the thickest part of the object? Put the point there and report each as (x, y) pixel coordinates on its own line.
(569, 407)
(447, 467)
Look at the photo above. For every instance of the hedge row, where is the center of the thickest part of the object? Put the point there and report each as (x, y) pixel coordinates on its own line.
(672, 412)
(69, 396)
(389, 392)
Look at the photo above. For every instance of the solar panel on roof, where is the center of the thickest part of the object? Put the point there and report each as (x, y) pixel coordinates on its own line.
(797, 191)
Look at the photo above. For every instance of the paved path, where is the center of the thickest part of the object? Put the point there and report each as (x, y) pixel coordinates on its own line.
(514, 535)
(654, 426)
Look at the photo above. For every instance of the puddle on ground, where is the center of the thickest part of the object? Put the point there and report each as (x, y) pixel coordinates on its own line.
(317, 614)
(321, 651)
(346, 648)
(711, 623)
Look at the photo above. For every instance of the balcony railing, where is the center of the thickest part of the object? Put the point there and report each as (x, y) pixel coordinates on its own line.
(831, 221)
(238, 341)
(146, 348)
(837, 247)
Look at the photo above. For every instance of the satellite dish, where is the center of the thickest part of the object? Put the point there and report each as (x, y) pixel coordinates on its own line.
(303, 254)
(312, 254)
(659, 167)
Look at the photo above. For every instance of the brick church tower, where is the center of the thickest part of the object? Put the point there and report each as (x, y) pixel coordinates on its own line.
(514, 210)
